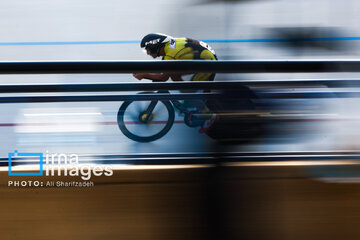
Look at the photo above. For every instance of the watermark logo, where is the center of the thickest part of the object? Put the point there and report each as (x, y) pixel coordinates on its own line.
(54, 164)
(16, 155)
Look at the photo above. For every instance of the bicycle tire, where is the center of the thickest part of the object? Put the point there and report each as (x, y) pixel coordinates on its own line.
(137, 138)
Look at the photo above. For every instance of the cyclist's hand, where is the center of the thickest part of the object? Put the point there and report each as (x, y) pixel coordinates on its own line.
(139, 76)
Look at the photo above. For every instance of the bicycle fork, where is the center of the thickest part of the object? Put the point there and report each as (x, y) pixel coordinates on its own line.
(147, 114)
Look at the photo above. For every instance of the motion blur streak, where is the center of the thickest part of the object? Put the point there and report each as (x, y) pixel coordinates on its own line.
(119, 167)
(292, 163)
(255, 197)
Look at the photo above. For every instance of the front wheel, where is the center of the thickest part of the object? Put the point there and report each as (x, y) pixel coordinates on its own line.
(135, 122)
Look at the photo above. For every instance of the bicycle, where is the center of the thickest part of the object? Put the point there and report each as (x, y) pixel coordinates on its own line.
(146, 121)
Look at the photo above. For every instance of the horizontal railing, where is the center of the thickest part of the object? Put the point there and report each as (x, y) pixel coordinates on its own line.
(114, 87)
(108, 98)
(322, 158)
(253, 66)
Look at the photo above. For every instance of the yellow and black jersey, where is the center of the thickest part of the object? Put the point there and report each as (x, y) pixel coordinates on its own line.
(188, 49)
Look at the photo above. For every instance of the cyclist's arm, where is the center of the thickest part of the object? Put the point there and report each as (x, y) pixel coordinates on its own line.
(155, 77)
(177, 76)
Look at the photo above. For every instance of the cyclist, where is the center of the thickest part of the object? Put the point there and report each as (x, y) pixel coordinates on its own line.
(169, 48)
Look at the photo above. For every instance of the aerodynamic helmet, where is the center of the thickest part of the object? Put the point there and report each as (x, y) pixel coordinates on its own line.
(154, 41)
